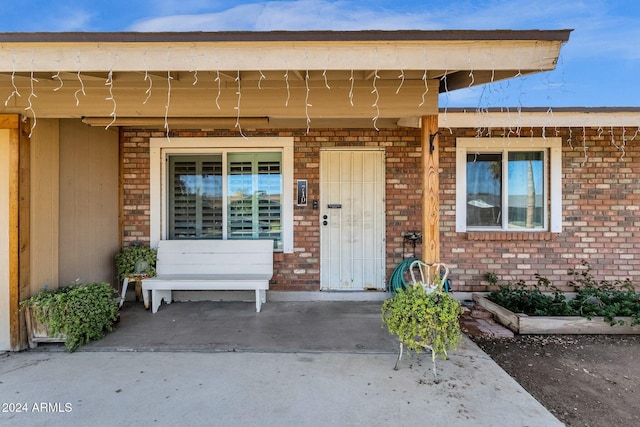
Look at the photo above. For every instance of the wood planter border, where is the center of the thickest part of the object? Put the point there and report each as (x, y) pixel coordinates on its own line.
(523, 324)
(39, 332)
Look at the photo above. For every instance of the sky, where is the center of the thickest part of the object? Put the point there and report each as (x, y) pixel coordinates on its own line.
(598, 67)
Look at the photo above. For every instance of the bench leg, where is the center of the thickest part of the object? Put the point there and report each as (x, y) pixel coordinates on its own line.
(145, 297)
(125, 284)
(261, 297)
(157, 296)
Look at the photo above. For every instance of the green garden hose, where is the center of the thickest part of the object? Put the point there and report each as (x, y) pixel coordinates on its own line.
(397, 281)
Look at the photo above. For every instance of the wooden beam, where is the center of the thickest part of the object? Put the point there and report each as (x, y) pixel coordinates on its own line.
(430, 190)
(14, 242)
(19, 220)
(9, 121)
(24, 226)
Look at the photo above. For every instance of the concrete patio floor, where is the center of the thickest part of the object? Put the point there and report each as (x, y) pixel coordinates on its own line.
(293, 364)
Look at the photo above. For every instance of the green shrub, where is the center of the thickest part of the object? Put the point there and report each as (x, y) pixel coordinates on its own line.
(82, 313)
(136, 260)
(593, 298)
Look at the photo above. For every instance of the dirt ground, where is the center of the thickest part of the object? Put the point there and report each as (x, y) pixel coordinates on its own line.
(584, 380)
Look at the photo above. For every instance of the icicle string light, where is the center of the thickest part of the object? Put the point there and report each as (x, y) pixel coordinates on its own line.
(426, 88)
(351, 89)
(326, 82)
(620, 147)
(286, 80)
(81, 90)
(147, 77)
(262, 77)
(613, 140)
(306, 101)
(109, 84)
(375, 104)
(193, 69)
(401, 77)
(15, 92)
(584, 144)
(32, 94)
(446, 97)
(219, 91)
(148, 91)
(237, 107)
(168, 104)
(56, 76)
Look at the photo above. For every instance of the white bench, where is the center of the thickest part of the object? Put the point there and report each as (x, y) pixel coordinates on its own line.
(210, 265)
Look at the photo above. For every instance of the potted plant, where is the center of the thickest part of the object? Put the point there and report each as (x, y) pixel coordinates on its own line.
(136, 259)
(424, 317)
(73, 314)
(134, 263)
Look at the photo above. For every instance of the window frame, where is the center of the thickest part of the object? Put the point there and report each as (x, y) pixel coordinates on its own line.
(161, 148)
(552, 171)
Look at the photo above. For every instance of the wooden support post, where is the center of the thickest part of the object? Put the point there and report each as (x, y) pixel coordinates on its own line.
(24, 227)
(430, 190)
(18, 221)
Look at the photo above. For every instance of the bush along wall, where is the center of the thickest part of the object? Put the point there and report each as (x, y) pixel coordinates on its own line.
(82, 313)
(609, 299)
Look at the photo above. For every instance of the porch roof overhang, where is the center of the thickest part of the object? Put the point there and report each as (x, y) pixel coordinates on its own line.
(589, 117)
(281, 78)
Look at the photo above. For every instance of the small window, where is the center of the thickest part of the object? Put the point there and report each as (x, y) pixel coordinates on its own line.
(508, 186)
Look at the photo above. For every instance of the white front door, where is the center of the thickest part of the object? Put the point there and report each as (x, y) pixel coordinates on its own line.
(352, 220)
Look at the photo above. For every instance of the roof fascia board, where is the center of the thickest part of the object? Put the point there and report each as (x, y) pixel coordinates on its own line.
(514, 119)
(496, 55)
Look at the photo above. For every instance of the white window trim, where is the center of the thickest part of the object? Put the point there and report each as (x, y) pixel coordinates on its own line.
(480, 145)
(159, 148)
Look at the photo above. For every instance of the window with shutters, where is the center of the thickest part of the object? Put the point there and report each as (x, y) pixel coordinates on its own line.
(195, 197)
(225, 196)
(254, 196)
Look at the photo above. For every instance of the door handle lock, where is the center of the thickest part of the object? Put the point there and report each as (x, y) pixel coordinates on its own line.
(325, 222)
(324, 217)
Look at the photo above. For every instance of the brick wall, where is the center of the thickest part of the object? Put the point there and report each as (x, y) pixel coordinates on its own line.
(601, 199)
(601, 218)
(301, 269)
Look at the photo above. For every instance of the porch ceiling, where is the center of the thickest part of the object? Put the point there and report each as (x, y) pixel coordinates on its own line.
(285, 77)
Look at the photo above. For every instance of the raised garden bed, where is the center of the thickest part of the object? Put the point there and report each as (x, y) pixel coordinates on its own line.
(524, 324)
